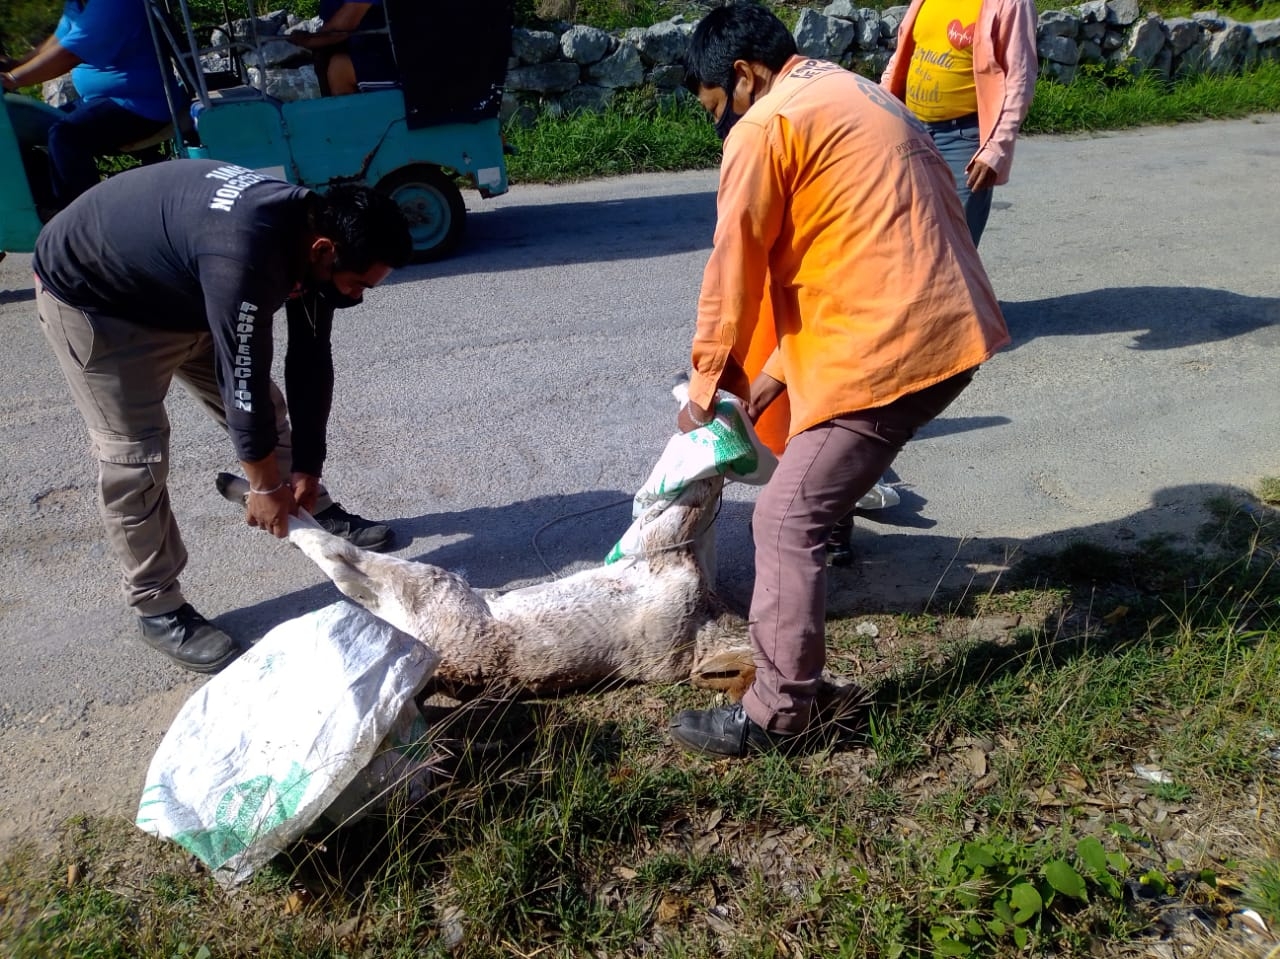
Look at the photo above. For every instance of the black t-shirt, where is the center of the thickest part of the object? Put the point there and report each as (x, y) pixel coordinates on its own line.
(194, 245)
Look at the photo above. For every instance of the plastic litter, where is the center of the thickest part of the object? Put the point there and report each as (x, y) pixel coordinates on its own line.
(257, 754)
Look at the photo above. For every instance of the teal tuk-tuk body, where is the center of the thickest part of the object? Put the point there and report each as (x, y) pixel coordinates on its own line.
(413, 141)
(330, 140)
(24, 128)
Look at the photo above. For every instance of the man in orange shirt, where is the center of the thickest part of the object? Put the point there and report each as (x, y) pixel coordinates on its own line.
(834, 205)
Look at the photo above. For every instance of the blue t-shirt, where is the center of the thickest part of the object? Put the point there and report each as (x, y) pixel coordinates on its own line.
(120, 63)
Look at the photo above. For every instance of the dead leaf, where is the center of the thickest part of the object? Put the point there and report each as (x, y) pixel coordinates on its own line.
(348, 931)
(713, 819)
(720, 924)
(296, 902)
(1045, 796)
(670, 909)
(976, 759)
(704, 845)
(1117, 614)
(625, 873)
(986, 782)
(1074, 780)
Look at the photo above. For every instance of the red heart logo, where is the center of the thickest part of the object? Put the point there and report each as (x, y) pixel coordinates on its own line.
(961, 37)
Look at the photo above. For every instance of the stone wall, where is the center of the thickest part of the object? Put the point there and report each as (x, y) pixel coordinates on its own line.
(576, 67)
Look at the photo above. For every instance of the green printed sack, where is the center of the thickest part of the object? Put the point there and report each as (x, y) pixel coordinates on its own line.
(261, 751)
(727, 446)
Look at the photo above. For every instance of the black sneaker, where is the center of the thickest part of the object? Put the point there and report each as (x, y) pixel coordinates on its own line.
(356, 530)
(189, 639)
(840, 543)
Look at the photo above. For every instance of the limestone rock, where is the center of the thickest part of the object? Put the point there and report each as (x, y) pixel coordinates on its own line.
(821, 36)
(1121, 13)
(1057, 23)
(622, 68)
(1146, 40)
(1061, 50)
(1231, 49)
(664, 43)
(584, 45)
(554, 77)
(534, 46)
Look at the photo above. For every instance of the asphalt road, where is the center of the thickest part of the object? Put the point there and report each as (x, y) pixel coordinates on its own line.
(488, 405)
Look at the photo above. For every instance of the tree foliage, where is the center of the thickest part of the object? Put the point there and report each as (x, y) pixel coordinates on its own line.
(24, 23)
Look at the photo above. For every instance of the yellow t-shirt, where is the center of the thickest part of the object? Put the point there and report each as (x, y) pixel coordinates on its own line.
(940, 82)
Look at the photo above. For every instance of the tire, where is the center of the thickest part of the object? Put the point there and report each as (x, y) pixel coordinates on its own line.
(433, 205)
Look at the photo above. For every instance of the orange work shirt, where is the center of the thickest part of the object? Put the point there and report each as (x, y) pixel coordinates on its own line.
(835, 205)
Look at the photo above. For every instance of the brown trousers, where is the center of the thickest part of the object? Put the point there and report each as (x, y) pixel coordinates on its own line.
(120, 374)
(823, 473)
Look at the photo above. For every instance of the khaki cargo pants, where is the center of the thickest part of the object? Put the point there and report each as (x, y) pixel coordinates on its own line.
(119, 374)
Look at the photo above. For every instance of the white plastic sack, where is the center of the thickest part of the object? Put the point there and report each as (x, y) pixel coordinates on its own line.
(263, 749)
(880, 496)
(406, 768)
(728, 446)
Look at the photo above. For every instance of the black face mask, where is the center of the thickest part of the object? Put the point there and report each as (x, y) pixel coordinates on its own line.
(730, 116)
(334, 297)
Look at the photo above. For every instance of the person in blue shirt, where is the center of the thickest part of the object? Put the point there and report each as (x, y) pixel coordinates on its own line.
(106, 45)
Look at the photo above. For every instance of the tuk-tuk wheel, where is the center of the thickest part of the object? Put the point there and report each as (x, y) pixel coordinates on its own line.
(433, 205)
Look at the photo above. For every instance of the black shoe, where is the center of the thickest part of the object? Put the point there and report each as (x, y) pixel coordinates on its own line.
(728, 731)
(189, 639)
(840, 543)
(356, 530)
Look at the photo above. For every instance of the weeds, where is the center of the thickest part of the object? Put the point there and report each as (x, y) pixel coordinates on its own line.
(1116, 100)
(992, 808)
(640, 134)
(636, 135)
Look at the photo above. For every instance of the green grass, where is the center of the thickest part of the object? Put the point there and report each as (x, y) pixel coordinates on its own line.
(636, 135)
(1094, 102)
(992, 810)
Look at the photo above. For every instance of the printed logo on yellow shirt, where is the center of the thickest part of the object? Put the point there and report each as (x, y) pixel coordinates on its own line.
(961, 37)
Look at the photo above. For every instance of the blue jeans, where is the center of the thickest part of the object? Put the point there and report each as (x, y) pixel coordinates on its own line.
(91, 128)
(958, 140)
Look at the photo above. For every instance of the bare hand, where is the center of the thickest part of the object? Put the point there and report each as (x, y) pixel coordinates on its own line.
(980, 176)
(764, 390)
(692, 417)
(271, 511)
(306, 490)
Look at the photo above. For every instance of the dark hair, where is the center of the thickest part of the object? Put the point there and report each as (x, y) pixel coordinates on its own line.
(736, 31)
(366, 227)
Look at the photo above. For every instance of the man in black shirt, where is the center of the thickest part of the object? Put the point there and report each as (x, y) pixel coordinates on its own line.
(175, 270)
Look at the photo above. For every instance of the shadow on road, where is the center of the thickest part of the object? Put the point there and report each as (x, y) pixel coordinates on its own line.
(534, 539)
(897, 569)
(1161, 317)
(554, 234)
